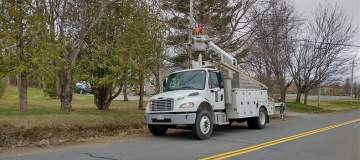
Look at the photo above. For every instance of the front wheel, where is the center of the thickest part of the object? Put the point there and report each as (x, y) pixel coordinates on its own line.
(203, 126)
(258, 122)
(157, 129)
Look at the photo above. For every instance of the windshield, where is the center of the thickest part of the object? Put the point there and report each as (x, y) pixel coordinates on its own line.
(186, 80)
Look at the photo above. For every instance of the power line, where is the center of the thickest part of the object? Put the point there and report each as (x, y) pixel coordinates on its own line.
(348, 45)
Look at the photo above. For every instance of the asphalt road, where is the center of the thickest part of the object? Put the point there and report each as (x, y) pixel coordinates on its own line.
(329, 138)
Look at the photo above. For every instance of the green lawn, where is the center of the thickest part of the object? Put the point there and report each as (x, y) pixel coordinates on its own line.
(337, 105)
(45, 121)
(298, 107)
(43, 110)
(325, 106)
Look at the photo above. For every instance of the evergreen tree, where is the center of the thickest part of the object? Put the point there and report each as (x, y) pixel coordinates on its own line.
(228, 22)
(143, 39)
(22, 41)
(122, 49)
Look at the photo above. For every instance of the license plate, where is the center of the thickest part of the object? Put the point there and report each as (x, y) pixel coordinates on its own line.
(160, 117)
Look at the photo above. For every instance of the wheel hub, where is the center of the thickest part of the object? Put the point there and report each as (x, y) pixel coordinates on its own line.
(262, 118)
(205, 124)
(160, 127)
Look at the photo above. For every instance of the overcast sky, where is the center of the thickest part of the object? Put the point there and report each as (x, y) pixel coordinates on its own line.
(352, 9)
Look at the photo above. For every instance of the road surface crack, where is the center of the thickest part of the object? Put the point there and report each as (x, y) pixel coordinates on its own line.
(92, 156)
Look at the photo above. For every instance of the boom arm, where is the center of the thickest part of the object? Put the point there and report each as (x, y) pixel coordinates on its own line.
(201, 43)
(227, 57)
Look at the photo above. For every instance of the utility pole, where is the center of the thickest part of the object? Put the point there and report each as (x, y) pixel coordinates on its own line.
(319, 88)
(352, 81)
(190, 33)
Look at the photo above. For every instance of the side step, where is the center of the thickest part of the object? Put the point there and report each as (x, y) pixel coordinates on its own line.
(220, 118)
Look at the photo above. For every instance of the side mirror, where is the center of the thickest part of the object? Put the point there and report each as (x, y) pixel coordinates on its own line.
(220, 77)
(164, 83)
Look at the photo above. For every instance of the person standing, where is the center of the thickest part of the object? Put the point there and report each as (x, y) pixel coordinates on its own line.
(199, 30)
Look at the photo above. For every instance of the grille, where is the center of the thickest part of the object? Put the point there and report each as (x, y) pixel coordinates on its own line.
(162, 104)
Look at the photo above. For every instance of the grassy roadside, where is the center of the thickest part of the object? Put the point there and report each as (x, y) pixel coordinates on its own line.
(45, 123)
(325, 106)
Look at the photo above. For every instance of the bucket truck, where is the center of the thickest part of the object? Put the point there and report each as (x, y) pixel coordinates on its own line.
(215, 92)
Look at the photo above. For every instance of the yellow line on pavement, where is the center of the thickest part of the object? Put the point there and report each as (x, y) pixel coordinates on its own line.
(274, 142)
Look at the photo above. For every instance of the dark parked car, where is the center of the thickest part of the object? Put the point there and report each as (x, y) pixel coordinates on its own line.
(83, 88)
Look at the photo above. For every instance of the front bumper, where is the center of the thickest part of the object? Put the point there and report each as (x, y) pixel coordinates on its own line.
(170, 119)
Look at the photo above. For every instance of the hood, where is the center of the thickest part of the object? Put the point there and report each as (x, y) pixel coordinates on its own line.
(174, 94)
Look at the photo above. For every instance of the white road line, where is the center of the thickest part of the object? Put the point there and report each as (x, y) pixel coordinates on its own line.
(358, 125)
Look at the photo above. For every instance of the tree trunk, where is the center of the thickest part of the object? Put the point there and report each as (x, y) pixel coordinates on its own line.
(22, 88)
(44, 87)
(103, 97)
(66, 90)
(39, 87)
(298, 96)
(283, 95)
(141, 99)
(125, 93)
(58, 83)
(306, 97)
(157, 83)
(282, 88)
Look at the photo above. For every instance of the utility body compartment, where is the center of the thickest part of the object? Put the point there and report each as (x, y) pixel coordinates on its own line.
(247, 102)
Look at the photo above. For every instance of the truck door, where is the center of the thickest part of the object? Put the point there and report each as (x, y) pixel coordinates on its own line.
(215, 94)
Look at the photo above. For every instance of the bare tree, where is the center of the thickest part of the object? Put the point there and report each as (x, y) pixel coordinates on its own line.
(320, 59)
(356, 90)
(347, 86)
(274, 36)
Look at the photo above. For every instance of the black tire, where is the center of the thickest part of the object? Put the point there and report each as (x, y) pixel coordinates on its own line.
(203, 126)
(258, 122)
(157, 129)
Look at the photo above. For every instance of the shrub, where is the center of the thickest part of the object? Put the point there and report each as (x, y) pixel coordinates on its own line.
(50, 88)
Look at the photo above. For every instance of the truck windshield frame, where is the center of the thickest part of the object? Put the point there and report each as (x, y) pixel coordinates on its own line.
(187, 80)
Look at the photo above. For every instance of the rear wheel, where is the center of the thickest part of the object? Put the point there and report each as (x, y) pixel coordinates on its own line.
(157, 129)
(258, 122)
(203, 126)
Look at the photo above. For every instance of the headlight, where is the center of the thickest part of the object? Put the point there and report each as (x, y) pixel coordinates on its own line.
(187, 105)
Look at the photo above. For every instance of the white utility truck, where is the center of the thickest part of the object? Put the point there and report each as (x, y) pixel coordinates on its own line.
(214, 93)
